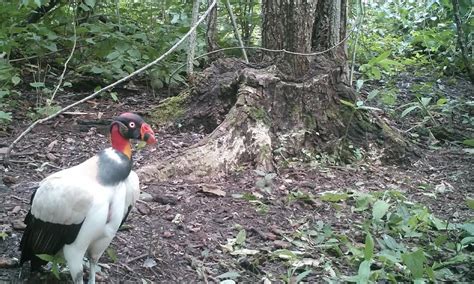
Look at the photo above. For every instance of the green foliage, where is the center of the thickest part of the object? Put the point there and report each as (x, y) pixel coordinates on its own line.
(380, 64)
(3, 235)
(171, 109)
(56, 262)
(112, 254)
(400, 34)
(404, 242)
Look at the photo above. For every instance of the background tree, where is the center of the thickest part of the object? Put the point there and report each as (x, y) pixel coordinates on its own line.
(301, 103)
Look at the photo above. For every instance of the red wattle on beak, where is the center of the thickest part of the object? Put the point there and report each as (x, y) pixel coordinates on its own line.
(147, 134)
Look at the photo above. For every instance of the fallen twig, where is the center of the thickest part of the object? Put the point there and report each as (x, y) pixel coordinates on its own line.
(20, 199)
(137, 258)
(134, 73)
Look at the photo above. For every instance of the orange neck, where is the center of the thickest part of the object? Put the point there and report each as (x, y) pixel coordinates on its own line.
(120, 143)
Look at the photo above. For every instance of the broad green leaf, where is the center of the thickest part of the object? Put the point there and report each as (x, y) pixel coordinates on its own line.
(468, 142)
(51, 47)
(390, 255)
(425, 101)
(369, 247)
(284, 254)
(97, 70)
(84, 7)
(90, 40)
(114, 96)
(376, 73)
(302, 275)
(134, 53)
(470, 203)
(379, 209)
(415, 262)
(4, 93)
(467, 240)
(229, 275)
(391, 243)
(439, 224)
(241, 236)
(16, 80)
(379, 58)
(363, 274)
(3, 235)
(113, 55)
(37, 85)
(408, 110)
(90, 3)
(363, 201)
(373, 94)
(469, 228)
(46, 257)
(7, 116)
(441, 102)
(55, 270)
(441, 240)
(389, 98)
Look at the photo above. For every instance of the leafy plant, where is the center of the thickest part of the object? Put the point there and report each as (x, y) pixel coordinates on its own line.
(56, 262)
(378, 65)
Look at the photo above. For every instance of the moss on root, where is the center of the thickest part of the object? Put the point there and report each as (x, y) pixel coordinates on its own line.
(171, 109)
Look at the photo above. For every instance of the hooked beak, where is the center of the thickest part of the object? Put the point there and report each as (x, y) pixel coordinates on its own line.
(147, 134)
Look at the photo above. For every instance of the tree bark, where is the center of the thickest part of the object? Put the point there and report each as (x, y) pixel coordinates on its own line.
(192, 39)
(211, 33)
(287, 25)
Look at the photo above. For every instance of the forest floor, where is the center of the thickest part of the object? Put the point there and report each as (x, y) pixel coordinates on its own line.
(182, 230)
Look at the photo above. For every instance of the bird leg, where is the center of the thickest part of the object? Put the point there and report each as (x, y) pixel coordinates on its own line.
(92, 268)
(74, 257)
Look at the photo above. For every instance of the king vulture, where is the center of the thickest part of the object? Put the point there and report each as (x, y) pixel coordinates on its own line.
(77, 211)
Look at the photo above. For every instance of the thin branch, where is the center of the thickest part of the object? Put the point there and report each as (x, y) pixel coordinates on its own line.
(67, 60)
(134, 73)
(236, 29)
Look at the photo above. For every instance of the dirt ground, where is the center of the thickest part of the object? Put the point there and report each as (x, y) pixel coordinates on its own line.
(179, 229)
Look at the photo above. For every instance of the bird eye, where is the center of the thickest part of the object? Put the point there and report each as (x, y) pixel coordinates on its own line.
(131, 124)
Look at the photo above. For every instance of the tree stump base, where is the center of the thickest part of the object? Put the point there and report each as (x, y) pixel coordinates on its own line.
(259, 117)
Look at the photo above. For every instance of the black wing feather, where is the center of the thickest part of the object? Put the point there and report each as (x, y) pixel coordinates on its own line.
(42, 237)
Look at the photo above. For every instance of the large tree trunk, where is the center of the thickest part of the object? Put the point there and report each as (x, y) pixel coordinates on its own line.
(262, 116)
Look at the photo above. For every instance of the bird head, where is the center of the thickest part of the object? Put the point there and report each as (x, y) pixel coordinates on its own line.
(132, 126)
